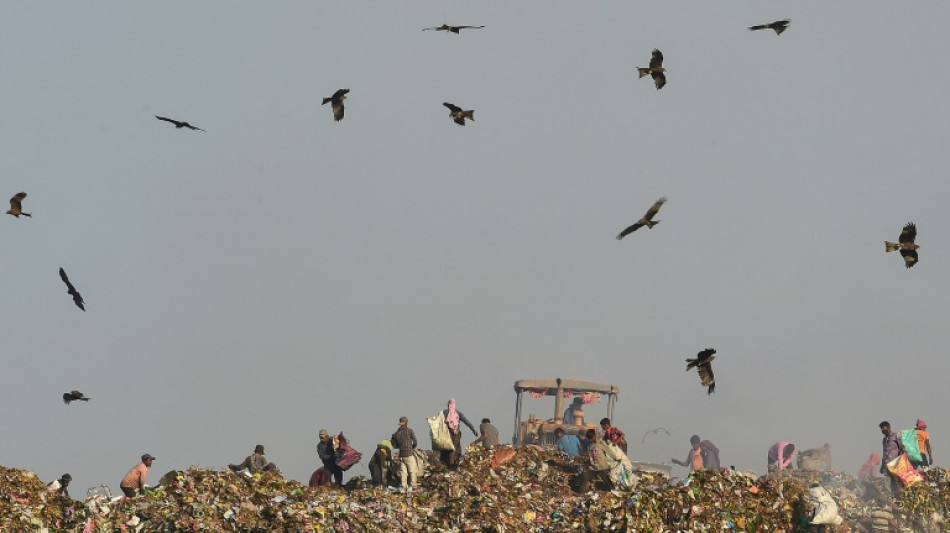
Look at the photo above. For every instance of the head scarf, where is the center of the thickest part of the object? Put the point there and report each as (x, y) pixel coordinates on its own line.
(452, 417)
(921, 424)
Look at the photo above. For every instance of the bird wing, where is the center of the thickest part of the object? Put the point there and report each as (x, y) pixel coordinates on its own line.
(655, 208)
(173, 121)
(656, 61)
(452, 107)
(706, 377)
(460, 120)
(337, 110)
(463, 27)
(907, 235)
(340, 94)
(62, 274)
(910, 257)
(67, 398)
(15, 202)
(629, 230)
(659, 79)
(779, 26)
(759, 27)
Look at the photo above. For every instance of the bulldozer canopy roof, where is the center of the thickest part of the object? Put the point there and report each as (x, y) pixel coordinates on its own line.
(549, 386)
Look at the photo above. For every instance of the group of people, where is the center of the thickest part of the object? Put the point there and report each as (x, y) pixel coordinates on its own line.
(914, 443)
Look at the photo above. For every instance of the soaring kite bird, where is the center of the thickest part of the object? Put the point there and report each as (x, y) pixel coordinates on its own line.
(703, 365)
(905, 244)
(16, 205)
(178, 123)
(336, 102)
(77, 298)
(779, 26)
(458, 115)
(644, 439)
(453, 29)
(647, 219)
(74, 396)
(655, 69)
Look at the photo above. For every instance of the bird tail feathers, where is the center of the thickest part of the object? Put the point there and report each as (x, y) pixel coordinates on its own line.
(643, 71)
(470, 114)
(891, 246)
(326, 101)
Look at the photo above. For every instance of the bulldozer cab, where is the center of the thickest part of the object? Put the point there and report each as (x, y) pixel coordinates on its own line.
(578, 406)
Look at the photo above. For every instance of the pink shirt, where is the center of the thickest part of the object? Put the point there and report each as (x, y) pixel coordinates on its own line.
(135, 479)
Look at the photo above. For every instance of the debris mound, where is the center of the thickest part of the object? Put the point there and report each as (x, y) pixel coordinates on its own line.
(500, 490)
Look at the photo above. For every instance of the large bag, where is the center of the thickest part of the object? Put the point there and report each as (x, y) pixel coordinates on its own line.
(903, 470)
(439, 431)
(909, 438)
(826, 510)
(346, 455)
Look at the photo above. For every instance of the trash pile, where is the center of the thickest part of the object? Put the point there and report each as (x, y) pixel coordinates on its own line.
(501, 490)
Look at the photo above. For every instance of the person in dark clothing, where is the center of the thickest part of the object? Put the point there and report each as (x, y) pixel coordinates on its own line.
(893, 448)
(256, 462)
(61, 485)
(450, 458)
(328, 455)
(405, 440)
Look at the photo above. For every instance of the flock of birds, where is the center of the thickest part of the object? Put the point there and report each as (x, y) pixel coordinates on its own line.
(905, 244)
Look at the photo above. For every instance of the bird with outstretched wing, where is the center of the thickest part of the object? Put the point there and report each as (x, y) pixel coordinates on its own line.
(645, 220)
(655, 70)
(73, 396)
(703, 364)
(336, 102)
(16, 205)
(179, 123)
(77, 298)
(905, 243)
(458, 114)
(779, 26)
(653, 431)
(452, 29)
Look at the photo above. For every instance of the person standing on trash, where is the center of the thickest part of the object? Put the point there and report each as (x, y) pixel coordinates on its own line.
(453, 417)
(134, 480)
(780, 456)
(256, 462)
(488, 437)
(695, 460)
(613, 434)
(405, 440)
(603, 458)
(569, 444)
(923, 443)
(328, 455)
(576, 405)
(381, 463)
(60, 485)
(893, 448)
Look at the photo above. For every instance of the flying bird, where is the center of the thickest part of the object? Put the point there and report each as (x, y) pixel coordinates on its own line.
(703, 364)
(178, 123)
(779, 26)
(453, 29)
(74, 396)
(653, 431)
(336, 102)
(646, 220)
(77, 298)
(458, 115)
(16, 207)
(905, 244)
(655, 69)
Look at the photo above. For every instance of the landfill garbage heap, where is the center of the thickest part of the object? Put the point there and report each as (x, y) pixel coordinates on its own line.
(501, 490)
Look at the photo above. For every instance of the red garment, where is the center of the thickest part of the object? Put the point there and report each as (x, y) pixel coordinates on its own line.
(615, 436)
(869, 468)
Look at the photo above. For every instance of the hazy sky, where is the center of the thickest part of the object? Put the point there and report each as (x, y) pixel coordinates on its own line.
(283, 273)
